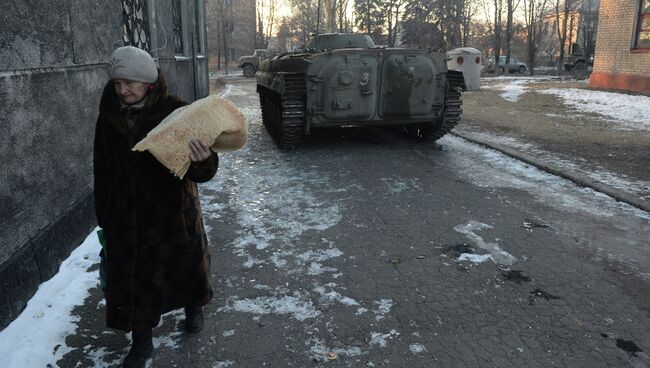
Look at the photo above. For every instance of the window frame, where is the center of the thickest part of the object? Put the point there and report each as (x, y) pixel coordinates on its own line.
(184, 38)
(200, 27)
(638, 23)
(146, 19)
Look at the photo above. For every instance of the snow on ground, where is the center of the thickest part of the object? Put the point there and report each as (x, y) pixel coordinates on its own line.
(31, 339)
(495, 253)
(417, 348)
(512, 88)
(630, 111)
(621, 182)
(37, 337)
(232, 73)
(490, 168)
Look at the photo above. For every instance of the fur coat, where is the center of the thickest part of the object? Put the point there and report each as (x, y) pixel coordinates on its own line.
(157, 257)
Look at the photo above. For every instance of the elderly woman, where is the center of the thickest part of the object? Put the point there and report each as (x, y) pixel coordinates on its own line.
(156, 256)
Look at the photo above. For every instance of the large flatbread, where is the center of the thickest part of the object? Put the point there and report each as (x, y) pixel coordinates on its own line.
(213, 120)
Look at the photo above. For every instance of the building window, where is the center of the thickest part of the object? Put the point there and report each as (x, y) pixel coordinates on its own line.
(228, 26)
(135, 24)
(179, 44)
(642, 39)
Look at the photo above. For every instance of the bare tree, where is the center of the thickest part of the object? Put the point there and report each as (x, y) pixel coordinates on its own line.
(493, 10)
(469, 10)
(265, 21)
(303, 21)
(330, 7)
(369, 18)
(563, 12)
(342, 16)
(219, 18)
(393, 10)
(511, 7)
(534, 11)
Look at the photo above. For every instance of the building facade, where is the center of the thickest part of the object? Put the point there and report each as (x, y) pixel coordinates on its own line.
(581, 23)
(53, 66)
(231, 27)
(622, 60)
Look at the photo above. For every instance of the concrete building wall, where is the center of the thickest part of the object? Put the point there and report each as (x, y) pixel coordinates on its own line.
(53, 67)
(616, 64)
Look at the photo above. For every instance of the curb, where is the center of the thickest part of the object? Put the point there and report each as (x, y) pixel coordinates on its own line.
(578, 179)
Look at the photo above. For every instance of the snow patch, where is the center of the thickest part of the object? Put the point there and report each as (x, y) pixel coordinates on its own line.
(334, 296)
(361, 311)
(476, 258)
(630, 111)
(546, 188)
(320, 352)
(514, 87)
(497, 254)
(417, 348)
(224, 364)
(232, 90)
(31, 339)
(297, 306)
(380, 339)
(398, 185)
(317, 268)
(273, 207)
(633, 186)
(383, 308)
(513, 90)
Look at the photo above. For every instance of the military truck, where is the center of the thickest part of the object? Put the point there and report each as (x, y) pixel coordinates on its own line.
(341, 79)
(250, 63)
(577, 61)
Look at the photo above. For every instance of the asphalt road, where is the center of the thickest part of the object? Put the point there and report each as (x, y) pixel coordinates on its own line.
(363, 248)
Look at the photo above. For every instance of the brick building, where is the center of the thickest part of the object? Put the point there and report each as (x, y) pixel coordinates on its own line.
(622, 59)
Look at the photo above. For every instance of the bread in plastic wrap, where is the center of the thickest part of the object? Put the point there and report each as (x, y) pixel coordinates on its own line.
(214, 120)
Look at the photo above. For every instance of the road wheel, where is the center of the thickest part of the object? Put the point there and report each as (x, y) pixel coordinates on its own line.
(501, 70)
(522, 69)
(579, 67)
(249, 71)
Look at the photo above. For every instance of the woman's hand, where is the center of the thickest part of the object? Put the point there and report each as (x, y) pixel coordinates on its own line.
(199, 151)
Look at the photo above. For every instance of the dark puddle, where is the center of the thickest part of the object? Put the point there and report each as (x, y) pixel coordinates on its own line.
(456, 250)
(515, 276)
(532, 224)
(539, 293)
(628, 346)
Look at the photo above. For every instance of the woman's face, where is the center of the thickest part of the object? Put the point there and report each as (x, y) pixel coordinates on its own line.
(129, 92)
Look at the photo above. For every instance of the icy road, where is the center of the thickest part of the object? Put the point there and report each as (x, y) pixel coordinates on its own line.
(366, 249)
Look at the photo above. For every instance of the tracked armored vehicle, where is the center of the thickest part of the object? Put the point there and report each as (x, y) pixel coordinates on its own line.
(345, 80)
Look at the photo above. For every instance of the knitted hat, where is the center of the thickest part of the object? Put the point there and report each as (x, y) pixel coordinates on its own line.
(132, 63)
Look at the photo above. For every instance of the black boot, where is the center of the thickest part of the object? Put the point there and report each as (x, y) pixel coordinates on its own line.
(194, 319)
(141, 349)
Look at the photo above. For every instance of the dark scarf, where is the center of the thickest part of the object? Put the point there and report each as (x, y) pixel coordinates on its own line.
(131, 112)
